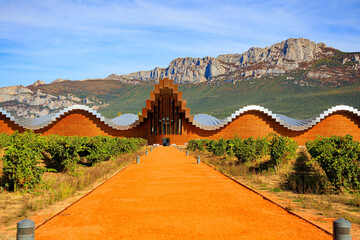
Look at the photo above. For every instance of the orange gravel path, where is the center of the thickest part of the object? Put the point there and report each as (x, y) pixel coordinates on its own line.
(169, 196)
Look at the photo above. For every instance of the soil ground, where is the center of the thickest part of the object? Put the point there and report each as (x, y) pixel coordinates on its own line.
(169, 196)
(319, 209)
(14, 207)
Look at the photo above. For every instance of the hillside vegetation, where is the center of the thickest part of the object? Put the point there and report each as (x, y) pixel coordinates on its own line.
(296, 77)
(321, 179)
(288, 99)
(220, 100)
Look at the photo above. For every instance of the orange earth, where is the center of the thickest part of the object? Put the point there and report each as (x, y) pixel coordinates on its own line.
(169, 196)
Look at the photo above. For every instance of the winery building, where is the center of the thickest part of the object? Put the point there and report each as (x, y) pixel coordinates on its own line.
(167, 120)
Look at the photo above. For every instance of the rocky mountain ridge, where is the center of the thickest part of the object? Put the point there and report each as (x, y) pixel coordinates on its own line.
(278, 59)
(28, 103)
(295, 61)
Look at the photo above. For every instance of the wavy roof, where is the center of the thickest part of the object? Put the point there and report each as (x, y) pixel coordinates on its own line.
(291, 123)
(202, 121)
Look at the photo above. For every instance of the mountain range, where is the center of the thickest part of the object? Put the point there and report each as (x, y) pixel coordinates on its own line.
(293, 70)
(278, 59)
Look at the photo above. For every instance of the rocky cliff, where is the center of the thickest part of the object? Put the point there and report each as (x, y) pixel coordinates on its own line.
(298, 62)
(278, 59)
(28, 102)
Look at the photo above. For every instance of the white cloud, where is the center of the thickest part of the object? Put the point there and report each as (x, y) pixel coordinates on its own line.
(77, 34)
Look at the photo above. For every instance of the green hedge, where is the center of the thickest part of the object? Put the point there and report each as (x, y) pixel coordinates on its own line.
(24, 153)
(281, 149)
(339, 157)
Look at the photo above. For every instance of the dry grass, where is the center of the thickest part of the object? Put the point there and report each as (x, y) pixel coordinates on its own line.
(299, 186)
(14, 206)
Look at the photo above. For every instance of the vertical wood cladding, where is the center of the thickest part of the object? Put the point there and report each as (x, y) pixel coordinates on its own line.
(164, 115)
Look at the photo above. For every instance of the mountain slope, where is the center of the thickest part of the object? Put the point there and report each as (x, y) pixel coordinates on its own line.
(222, 100)
(296, 77)
(280, 58)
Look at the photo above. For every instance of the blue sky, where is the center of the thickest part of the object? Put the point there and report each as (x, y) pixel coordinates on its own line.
(79, 39)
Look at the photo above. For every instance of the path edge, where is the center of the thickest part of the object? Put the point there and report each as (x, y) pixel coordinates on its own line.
(57, 214)
(266, 198)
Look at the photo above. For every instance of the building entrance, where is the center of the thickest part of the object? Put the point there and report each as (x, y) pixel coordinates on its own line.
(166, 141)
(166, 116)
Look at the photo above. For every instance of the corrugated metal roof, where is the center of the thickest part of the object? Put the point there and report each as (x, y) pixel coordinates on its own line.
(290, 123)
(125, 119)
(203, 121)
(206, 119)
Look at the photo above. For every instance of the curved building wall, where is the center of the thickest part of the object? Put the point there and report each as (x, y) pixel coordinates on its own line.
(251, 124)
(82, 123)
(256, 124)
(339, 123)
(8, 126)
(250, 121)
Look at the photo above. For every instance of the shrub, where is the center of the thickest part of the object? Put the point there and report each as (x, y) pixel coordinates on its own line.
(230, 147)
(100, 149)
(251, 149)
(245, 150)
(4, 140)
(64, 152)
(282, 149)
(262, 147)
(219, 147)
(197, 145)
(127, 145)
(339, 158)
(22, 170)
(24, 152)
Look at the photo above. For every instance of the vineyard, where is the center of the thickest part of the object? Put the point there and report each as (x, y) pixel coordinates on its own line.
(27, 156)
(337, 158)
(323, 177)
(280, 149)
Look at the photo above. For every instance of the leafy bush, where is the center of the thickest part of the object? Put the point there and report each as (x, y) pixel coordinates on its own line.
(4, 140)
(339, 158)
(200, 144)
(251, 149)
(219, 147)
(127, 145)
(22, 170)
(282, 149)
(24, 152)
(247, 150)
(101, 149)
(262, 147)
(64, 152)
